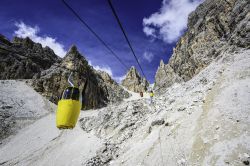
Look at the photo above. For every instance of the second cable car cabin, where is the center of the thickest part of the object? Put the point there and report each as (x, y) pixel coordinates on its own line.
(68, 109)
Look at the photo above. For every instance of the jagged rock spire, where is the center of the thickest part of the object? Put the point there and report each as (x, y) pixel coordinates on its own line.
(73, 59)
(73, 53)
(134, 82)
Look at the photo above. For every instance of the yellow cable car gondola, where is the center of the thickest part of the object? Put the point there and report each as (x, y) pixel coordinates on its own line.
(69, 107)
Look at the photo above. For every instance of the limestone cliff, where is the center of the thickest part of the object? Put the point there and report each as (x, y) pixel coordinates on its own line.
(215, 26)
(115, 91)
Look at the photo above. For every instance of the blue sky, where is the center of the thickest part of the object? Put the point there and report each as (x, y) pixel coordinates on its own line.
(153, 27)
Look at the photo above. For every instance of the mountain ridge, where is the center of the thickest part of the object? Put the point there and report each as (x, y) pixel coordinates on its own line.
(22, 58)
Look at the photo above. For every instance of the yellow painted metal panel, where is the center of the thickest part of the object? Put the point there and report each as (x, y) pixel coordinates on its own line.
(67, 113)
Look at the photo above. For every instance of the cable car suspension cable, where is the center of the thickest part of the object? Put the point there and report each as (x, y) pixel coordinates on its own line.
(124, 33)
(94, 33)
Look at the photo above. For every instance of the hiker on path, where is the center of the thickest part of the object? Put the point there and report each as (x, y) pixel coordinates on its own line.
(141, 94)
(151, 94)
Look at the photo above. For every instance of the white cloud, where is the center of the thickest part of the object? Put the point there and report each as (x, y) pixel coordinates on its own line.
(108, 70)
(169, 23)
(148, 56)
(32, 32)
(149, 31)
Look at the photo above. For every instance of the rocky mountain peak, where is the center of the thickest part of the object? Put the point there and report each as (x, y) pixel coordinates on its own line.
(73, 53)
(133, 69)
(74, 60)
(100, 87)
(132, 73)
(134, 82)
(26, 42)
